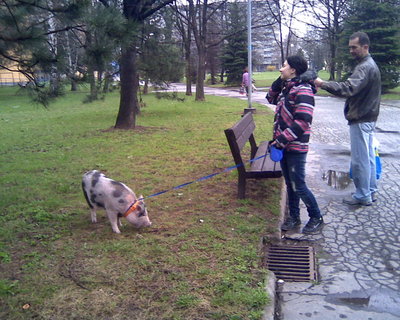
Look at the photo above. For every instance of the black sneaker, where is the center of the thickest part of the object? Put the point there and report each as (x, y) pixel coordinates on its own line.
(290, 224)
(314, 224)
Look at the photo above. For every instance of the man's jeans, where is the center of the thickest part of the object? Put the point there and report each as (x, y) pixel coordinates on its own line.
(293, 170)
(363, 165)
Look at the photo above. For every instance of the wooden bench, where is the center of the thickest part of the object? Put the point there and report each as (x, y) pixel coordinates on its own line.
(238, 136)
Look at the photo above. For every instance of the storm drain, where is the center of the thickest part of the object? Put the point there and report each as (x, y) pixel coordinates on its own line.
(292, 263)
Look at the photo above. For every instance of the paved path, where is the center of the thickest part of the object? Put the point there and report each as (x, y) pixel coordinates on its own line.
(358, 250)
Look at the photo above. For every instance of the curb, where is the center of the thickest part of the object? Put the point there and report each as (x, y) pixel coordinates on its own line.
(390, 103)
(269, 311)
(271, 286)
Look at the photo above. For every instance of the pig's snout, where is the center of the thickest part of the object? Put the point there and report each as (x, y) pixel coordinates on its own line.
(139, 222)
(146, 223)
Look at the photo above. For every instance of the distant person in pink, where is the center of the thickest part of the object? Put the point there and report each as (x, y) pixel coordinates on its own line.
(246, 79)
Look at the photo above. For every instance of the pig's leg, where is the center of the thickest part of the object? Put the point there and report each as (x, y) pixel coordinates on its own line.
(119, 221)
(93, 215)
(113, 217)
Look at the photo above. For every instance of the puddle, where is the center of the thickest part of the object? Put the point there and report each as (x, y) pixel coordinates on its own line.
(338, 180)
(355, 301)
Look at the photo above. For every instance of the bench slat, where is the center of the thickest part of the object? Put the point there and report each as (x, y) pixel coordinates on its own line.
(244, 137)
(243, 129)
(265, 164)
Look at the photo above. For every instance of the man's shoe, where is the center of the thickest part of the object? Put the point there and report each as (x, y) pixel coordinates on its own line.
(374, 196)
(290, 224)
(355, 202)
(313, 225)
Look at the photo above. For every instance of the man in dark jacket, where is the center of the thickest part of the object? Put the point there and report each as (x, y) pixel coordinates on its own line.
(363, 92)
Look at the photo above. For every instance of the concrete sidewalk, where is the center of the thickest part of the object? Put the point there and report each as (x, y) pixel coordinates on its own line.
(358, 249)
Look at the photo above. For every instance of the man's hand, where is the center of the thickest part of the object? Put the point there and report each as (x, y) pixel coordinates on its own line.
(318, 82)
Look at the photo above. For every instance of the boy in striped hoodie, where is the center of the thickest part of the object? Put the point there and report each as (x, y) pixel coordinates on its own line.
(293, 94)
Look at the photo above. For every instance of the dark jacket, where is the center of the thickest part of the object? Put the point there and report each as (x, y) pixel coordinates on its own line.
(294, 101)
(362, 90)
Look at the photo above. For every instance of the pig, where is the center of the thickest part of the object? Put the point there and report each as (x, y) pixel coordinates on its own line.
(116, 198)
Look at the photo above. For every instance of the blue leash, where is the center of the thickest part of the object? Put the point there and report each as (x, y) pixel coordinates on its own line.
(201, 179)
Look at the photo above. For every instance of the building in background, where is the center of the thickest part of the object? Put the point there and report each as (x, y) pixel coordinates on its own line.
(266, 54)
(12, 78)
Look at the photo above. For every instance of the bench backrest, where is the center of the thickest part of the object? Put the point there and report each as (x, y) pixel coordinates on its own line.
(239, 134)
(243, 129)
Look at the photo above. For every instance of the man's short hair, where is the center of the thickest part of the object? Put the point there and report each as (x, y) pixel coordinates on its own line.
(298, 63)
(363, 38)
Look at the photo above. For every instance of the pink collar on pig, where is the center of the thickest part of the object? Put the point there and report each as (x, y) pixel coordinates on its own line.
(131, 208)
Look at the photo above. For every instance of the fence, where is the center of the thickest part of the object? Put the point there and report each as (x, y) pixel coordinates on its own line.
(11, 78)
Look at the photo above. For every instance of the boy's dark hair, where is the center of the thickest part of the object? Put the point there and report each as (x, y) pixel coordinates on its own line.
(298, 63)
(363, 38)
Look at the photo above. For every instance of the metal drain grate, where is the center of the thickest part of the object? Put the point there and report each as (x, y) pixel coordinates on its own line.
(292, 263)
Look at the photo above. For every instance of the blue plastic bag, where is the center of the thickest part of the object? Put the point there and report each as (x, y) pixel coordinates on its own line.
(378, 166)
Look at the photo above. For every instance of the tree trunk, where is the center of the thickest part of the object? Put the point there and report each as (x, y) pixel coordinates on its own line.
(188, 69)
(213, 72)
(280, 43)
(107, 82)
(339, 70)
(128, 106)
(99, 80)
(74, 85)
(146, 86)
(201, 71)
(92, 83)
(332, 64)
(188, 74)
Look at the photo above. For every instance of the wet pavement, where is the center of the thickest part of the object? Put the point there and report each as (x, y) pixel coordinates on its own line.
(358, 249)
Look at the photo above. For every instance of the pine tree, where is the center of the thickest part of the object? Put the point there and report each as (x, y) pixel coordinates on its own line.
(32, 35)
(380, 20)
(160, 59)
(234, 59)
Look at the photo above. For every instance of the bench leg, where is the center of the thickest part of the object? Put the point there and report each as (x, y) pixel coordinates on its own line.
(241, 187)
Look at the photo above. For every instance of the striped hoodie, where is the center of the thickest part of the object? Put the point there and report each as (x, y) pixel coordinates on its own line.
(293, 113)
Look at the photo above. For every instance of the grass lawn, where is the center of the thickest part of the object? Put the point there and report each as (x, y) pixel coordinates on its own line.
(201, 259)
